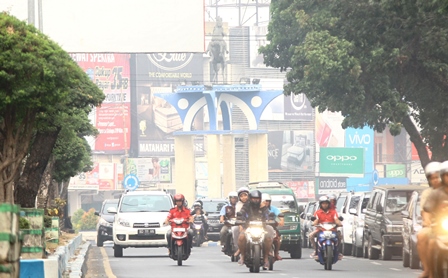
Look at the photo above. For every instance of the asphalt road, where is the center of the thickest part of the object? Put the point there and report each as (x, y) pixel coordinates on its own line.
(208, 261)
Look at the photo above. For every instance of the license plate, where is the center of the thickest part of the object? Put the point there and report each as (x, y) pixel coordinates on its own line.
(178, 229)
(144, 232)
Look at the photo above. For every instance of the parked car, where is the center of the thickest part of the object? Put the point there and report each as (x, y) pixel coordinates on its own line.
(105, 223)
(352, 200)
(139, 220)
(212, 207)
(412, 224)
(358, 224)
(306, 222)
(383, 220)
(285, 200)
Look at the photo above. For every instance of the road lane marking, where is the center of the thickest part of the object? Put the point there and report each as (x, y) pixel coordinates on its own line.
(376, 263)
(396, 269)
(107, 268)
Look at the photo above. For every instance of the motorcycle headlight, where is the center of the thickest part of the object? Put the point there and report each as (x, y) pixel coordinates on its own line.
(197, 227)
(445, 224)
(124, 222)
(255, 232)
(328, 226)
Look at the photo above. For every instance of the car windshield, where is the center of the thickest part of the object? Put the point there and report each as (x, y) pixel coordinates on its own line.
(145, 203)
(365, 201)
(397, 200)
(284, 203)
(213, 206)
(108, 205)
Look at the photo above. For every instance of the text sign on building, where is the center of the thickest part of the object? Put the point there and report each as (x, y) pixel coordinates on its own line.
(395, 170)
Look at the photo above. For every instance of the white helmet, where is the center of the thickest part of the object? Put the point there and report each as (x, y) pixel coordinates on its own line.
(434, 167)
(265, 197)
(443, 167)
(243, 189)
(232, 194)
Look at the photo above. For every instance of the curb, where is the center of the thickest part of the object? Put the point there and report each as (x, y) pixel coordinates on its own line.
(77, 267)
(210, 244)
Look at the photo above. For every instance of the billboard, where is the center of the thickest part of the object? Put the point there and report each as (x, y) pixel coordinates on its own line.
(346, 162)
(111, 73)
(138, 26)
(291, 151)
(395, 170)
(329, 131)
(103, 177)
(418, 173)
(152, 170)
(156, 118)
(302, 189)
(293, 107)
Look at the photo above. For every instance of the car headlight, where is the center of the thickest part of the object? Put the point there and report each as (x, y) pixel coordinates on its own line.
(293, 227)
(255, 232)
(103, 222)
(394, 228)
(445, 224)
(123, 222)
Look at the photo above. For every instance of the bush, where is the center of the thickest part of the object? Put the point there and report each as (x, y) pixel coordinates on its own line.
(82, 220)
(24, 224)
(47, 221)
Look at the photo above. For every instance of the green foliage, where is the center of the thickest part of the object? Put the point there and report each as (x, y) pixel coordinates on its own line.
(47, 221)
(24, 224)
(82, 220)
(378, 62)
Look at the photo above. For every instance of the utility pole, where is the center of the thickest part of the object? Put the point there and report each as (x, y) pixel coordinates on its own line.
(31, 13)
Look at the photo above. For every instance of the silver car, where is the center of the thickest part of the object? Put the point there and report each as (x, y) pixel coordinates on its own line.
(358, 224)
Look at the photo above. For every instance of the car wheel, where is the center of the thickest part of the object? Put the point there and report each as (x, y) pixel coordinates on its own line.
(118, 251)
(372, 253)
(346, 248)
(405, 256)
(99, 241)
(386, 252)
(414, 261)
(296, 252)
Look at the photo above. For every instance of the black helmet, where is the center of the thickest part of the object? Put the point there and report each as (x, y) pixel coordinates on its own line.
(255, 194)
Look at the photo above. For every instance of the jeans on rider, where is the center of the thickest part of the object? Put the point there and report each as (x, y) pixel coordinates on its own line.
(235, 235)
(190, 238)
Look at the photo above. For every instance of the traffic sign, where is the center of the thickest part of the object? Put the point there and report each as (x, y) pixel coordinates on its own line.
(375, 177)
(131, 182)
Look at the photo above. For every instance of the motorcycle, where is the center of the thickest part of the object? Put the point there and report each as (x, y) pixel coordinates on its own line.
(255, 234)
(229, 248)
(180, 251)
(198, 228)
(327, 245)
(441, 248)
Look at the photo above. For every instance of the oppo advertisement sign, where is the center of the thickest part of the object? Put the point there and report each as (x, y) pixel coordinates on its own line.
(345, 162)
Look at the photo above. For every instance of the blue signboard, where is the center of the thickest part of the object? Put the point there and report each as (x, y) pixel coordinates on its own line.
(362, 138)
(131, 182)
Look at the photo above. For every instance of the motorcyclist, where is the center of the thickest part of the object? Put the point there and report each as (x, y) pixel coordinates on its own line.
(432, 172)
(323, 214)
(266, 201)
(198, 214)
(179, 211)
(198, 204)
(227, 213)
(436, 205)
(243, 196)
(333, 198)
(252, 211)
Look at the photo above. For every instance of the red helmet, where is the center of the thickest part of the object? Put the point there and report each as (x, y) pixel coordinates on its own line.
(179, 197)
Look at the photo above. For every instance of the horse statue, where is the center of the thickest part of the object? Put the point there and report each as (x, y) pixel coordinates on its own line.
(216, 52)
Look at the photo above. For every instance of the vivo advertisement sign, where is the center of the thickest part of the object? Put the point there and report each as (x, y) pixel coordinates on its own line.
(361, 138)
(342, 162)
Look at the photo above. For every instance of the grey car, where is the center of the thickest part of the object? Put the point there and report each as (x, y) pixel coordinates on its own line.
(212, 208)
(105, 223)
(412, 224)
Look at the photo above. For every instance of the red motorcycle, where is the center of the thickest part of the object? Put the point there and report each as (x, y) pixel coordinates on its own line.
(180, 250)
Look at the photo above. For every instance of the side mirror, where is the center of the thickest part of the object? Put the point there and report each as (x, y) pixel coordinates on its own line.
(308, 215)
(363, 211)
(313, 218)
(379, 208)
(97, 213)
(352, 211)
(341, 218)
(405, 214)
(302, 215)
(112, 210)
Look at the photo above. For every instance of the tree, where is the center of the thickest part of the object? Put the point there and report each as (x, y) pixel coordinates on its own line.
(381, 63)
(36, 78)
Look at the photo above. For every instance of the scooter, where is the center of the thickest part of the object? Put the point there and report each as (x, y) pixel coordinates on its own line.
(198, 227)
(229, 249)
(180, 251)
(327, 245)
(441, 248)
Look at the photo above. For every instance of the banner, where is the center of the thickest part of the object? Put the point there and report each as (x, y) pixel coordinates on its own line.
(291, 151)
(302, 189)
(107, 176)
(150, 170)
(103, 177)
(329, 131)
(298, 107)
(347, 162)
(166, 148)
(395, 170)
(361, 138)
(110, 72)
(327, 185)
(418, 173)
(156, 118)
